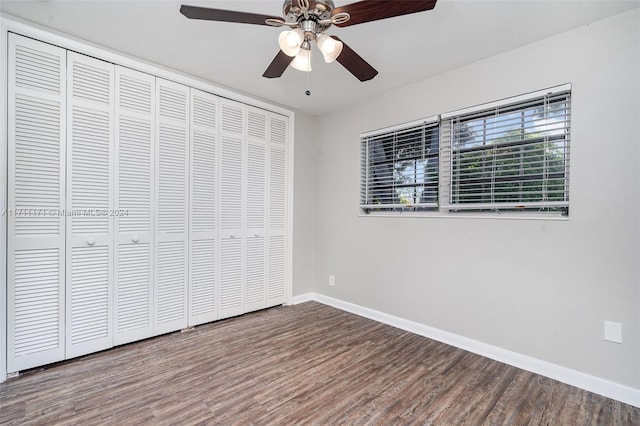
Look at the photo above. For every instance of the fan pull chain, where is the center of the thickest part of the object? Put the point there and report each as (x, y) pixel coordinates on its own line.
(308, 91)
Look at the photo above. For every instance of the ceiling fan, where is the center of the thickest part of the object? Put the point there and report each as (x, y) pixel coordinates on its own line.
(307, 21)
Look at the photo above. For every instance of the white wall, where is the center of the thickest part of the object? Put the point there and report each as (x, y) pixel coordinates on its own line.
(303, 211)
(535, 287)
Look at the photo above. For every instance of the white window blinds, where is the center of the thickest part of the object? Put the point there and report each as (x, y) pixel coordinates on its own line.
(510, 155)
(399, 167)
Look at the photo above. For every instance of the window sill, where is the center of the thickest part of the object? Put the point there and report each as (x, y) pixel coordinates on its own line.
(470, 215)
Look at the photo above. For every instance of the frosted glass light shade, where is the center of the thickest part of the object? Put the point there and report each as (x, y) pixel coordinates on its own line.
(302, 61)
(329, 47)
(289, 41)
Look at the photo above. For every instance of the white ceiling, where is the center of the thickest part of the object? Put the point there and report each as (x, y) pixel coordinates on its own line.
(403, 49)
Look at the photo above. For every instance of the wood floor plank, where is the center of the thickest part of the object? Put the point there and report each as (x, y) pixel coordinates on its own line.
(304, 364)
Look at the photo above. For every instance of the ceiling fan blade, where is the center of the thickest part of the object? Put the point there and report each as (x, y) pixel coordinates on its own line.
(373, 10)
(208, 14)
(278, 65)
(354, 63)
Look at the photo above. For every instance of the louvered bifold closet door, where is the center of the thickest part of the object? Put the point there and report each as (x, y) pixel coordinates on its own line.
(232, 208)
(90, 150)
(203, 278)
(277, 211)
(35, 222)
(255, 290)
(172, 189)
(135, 129)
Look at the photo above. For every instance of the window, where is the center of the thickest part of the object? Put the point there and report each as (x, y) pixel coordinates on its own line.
(513, 156)
(506, 156)
(399, 168)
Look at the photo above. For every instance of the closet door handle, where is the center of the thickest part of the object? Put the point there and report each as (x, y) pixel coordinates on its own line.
(135, 239)
(232, 235)
(91, 241)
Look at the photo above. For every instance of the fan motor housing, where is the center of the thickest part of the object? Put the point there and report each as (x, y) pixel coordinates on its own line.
(318, 9)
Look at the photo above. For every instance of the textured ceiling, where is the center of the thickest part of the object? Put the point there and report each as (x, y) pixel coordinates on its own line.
(403, 49)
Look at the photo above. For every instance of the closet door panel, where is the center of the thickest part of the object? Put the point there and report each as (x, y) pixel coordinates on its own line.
(232, 208)
(35, 220)
(90, 151)
(170, 286)
(135, 132)
(203, 281)
(255, 292)
(231, 268)
(276, 253)
(277, 210)
(203, 240)
(172, 189)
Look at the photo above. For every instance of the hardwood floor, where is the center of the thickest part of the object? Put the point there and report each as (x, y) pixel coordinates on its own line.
(303, 364)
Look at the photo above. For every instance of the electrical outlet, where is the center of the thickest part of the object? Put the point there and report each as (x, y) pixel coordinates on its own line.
(332, 280)
(613, 331)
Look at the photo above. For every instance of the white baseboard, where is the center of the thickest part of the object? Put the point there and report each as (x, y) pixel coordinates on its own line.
(301, 298)
(603, 387)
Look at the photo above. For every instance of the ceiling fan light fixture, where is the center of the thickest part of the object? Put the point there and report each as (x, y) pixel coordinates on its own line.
(289, 41)
(302, 61)
(329, 47)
